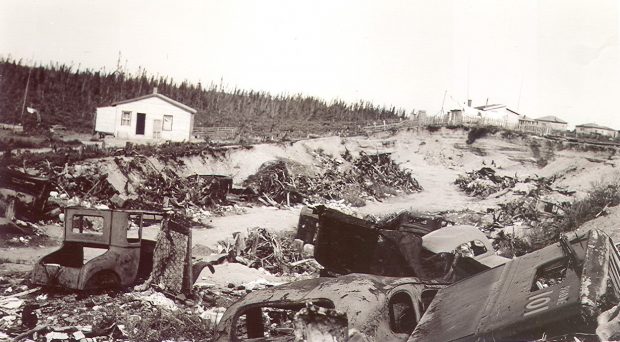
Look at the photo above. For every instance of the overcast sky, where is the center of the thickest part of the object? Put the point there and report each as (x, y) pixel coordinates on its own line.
(557, 57)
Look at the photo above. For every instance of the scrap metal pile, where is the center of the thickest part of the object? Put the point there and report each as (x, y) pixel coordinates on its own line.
(368, 176)
(275, 253)
(483, 182)
(196, 191)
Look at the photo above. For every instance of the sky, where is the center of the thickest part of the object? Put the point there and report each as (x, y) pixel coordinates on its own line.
(548, 57)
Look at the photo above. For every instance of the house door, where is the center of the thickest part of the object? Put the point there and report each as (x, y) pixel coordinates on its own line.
(156, 129)
(140, 124)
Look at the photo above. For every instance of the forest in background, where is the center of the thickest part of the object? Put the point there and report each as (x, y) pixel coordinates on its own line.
(69, 96)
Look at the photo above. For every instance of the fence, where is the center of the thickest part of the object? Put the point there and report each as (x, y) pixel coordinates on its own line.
(216, 133)
(443, 121)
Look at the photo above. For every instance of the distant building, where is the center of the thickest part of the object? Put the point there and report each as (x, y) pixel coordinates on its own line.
(594, 129)
(494, 114)
(149, 117)
(499, 113)
(551, 122)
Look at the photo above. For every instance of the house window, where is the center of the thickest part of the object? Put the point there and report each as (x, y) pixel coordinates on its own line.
(167, 124)
(126, 119)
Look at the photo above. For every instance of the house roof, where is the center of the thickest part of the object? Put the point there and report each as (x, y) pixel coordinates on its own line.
(526, 118)
(593, 125)
(513, 112)
(490, 107)
(159, 96)
(551, 118)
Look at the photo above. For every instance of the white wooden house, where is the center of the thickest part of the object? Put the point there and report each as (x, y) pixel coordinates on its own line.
(149, 117)
(496, 114)
(594, 129)
(553, 123)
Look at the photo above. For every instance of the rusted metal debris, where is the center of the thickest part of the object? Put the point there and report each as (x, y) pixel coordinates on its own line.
(370, 176)
(346, 244)
(22, 195)
(194, 191)
(483, 182)
(511, 302)
(260, 248)
(314, 324)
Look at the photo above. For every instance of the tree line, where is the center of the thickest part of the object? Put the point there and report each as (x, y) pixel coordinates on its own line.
(68, 95)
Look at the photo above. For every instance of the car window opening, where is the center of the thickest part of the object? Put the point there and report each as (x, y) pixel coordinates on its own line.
(273, 320)
(402, 314)
(471, 249)
(85, 224)
(550, 274)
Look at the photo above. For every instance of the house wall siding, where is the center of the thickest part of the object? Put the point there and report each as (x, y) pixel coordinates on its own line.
(106, 120)
(592, 130)
(555, 126)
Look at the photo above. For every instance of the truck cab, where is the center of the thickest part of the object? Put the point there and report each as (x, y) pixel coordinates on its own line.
(101, 248)
(558, 290)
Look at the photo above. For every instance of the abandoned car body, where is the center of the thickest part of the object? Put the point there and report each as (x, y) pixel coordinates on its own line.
(346, 244)
(556, 291)
(468, 241)
(380, 308)
(22, 194)
(121, 256)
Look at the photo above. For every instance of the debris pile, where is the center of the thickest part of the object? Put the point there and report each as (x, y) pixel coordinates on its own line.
(197, 191)
(275, 253)
(484, 182)
(46, 315)
(368, 176)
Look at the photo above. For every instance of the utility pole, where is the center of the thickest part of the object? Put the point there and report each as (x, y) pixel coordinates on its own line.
(444, 101)
(25, 95)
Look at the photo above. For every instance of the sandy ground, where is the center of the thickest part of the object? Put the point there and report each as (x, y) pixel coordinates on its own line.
(435, 159)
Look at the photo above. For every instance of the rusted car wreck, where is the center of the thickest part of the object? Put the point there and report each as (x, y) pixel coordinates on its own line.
(382, 308)
(106, 248)
(554, 292)
(405, 246)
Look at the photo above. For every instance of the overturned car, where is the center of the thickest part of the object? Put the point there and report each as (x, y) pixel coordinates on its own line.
(555, 292)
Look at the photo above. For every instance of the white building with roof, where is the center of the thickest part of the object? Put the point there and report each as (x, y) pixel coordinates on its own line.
(594, 129)
(552, 122)
(150, 117)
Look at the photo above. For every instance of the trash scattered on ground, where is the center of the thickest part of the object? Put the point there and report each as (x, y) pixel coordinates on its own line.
(275, 253)
(483, 182)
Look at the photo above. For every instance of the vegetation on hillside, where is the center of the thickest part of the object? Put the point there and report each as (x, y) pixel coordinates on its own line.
(69, 95)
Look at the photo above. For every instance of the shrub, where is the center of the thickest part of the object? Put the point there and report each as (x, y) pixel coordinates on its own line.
(433, 128)
(603, 194)
(478, 132)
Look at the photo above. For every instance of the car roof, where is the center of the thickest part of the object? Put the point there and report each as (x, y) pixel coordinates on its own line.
(356, 294)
